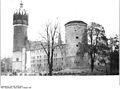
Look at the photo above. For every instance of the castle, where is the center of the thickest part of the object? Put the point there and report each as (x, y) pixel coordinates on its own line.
(30, 56)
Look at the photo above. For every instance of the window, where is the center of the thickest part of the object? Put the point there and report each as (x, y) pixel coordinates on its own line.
(55, 55)
(17, 59)
(37, 57)
(37, 60)
(38, 65)
(76, 45)
(66, 40)
(77, 37)
(45, 60)
(33, 57)
(45, 56)
(33, 61)
(40, 56)
(33, 65)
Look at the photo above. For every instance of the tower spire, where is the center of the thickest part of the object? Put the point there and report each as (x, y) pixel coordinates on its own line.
(21, 4)
(20, 17)
(59, 37)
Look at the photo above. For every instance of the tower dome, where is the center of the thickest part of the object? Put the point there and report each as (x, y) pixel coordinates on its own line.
(20, 16)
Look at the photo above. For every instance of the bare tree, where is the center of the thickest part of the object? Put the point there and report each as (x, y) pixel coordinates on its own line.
(49, 45)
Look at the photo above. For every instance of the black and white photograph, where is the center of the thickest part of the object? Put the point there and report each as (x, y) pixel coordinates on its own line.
(59, 38)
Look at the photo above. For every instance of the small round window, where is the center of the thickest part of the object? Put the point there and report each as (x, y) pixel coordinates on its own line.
(77, 37)
(76, 45)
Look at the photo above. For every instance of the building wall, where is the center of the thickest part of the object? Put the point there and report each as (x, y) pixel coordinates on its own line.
(17, 56)
(18, 60)
(59, 58)
(17, 66)
(74, 33)
(28, 63)
(39, 60)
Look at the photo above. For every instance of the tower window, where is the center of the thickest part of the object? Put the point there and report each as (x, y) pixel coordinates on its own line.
(76, 45)
(40, 56)
(17, 59)
(77, 37)
(55, 55)
(45, 56)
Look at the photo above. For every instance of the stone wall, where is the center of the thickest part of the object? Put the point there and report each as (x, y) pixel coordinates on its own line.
(20, 37)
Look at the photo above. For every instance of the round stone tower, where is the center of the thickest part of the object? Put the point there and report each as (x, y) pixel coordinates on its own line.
(75, 38)
(20, 23)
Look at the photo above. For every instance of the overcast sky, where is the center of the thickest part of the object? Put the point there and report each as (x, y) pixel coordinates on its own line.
(104, 12)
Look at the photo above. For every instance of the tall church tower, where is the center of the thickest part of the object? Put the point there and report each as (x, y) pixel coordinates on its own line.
(20, 23)
(59, 38)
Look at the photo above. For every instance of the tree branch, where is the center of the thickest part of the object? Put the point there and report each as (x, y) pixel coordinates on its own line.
(44, 48)
(43, 36)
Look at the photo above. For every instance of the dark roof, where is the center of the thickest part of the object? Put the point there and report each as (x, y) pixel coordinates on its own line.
(75, 21)
(36, 45)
